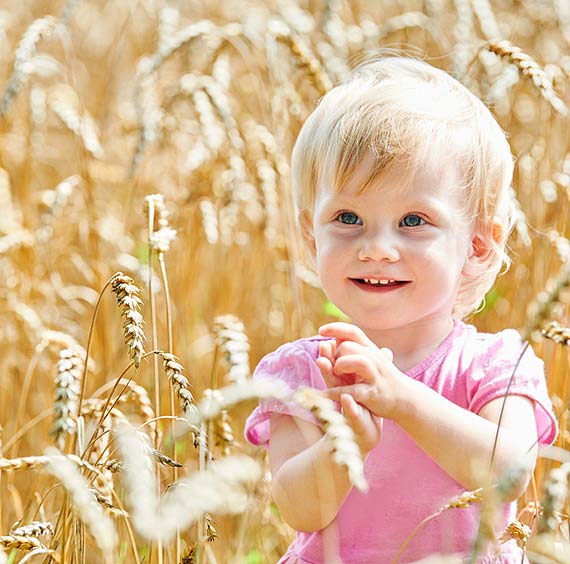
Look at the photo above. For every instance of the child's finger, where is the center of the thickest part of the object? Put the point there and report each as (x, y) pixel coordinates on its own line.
(351, 409)
(356, 364)
(327, 349)
(359, 392)
(345, 332)
(356, 414)
(326, 368)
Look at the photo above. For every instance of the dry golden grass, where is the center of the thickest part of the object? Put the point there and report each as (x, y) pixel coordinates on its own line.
(152, 139)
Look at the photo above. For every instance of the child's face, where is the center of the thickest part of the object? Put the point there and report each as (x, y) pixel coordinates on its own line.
(415, 237)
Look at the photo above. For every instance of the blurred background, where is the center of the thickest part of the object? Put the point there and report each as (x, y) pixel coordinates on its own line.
(196, 104)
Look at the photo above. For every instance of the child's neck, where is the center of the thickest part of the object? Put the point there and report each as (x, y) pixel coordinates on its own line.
(412, 343)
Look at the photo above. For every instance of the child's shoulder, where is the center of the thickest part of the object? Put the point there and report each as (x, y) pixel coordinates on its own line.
(506, 343)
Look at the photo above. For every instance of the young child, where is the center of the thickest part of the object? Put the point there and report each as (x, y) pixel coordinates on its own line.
(401, 180)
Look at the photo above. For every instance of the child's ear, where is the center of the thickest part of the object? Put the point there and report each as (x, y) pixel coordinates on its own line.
(482, 240)
(306, 222)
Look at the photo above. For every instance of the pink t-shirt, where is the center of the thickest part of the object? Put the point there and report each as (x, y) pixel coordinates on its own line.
(406, 485)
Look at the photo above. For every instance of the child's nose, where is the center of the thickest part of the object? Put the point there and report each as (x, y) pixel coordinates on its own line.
(379, 248)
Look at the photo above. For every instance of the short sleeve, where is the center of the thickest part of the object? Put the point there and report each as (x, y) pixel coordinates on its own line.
(502, 357)
(294, 364)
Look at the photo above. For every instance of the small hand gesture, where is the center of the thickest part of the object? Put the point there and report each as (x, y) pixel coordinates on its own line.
(366, 426)
(355, 366)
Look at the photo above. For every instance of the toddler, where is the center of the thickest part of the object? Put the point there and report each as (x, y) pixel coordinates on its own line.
(401, 180)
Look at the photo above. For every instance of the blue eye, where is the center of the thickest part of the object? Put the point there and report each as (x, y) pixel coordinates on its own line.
(412, 220)
(348, 218)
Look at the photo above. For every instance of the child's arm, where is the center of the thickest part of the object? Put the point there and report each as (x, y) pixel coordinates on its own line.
(307, 485)
(460, 441)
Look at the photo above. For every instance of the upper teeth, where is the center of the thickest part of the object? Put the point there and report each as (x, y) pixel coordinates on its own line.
(372, 281)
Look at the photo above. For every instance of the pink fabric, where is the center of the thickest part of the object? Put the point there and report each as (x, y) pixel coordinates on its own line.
(406, 485)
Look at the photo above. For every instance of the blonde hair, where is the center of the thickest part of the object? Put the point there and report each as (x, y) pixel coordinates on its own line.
(401, 110)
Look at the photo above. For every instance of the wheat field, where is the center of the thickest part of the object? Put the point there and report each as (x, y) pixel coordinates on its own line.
(149, 255)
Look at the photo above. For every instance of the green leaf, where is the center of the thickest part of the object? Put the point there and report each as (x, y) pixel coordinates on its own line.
(330, 309)
(490, 300)
(254, 557)
(141, 252)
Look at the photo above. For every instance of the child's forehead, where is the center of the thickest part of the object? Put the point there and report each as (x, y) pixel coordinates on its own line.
(423, 176)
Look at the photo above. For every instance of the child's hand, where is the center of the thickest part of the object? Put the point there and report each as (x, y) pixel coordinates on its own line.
(354, 365)
(366, 426)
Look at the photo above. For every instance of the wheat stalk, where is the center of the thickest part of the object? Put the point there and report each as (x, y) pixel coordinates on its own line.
(106, 502)
(129, 302)
(540, 308)
(20, 542)
(219, 489)
(180, 383)
(529, 67)
(217, 400)
(230, 336)
(82, 497)
(464, 499)
(560, 243)
(463, 33)
(160, 238)
(345, 450)
(554, 498)
(32, 462)
(130, 390)
(55, 201)
(409, 20)
(223, 433)
(70, 368)
(33, 529)
(64, 102)
(518, 531)
(557, 333)
(487, 20)
(209, 216)
(38, 29)
(302, 55)
(562, 10)
(10, 216)
(167, 24)
(221, 70)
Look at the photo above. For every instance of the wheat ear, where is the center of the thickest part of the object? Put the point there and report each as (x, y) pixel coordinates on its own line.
(216, 400)
(82, 497)
(529, 67)
(540, 308)
(160, 238)
(209, 216)
(230, 336)
(129, 302)
(303, 55)
(219, 489)
(518, 531)
(557, 333)
(20, 542)
(32, 462)
(67, 386)
(33, 529)
(554, 498)
(40, 28)
(345, 450)
(180, 383)
(64, 102)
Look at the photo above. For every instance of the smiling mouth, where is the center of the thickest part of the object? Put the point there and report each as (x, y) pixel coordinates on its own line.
(385, 283)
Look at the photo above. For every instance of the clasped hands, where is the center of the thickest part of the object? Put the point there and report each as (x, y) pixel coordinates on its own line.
(362, 377)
